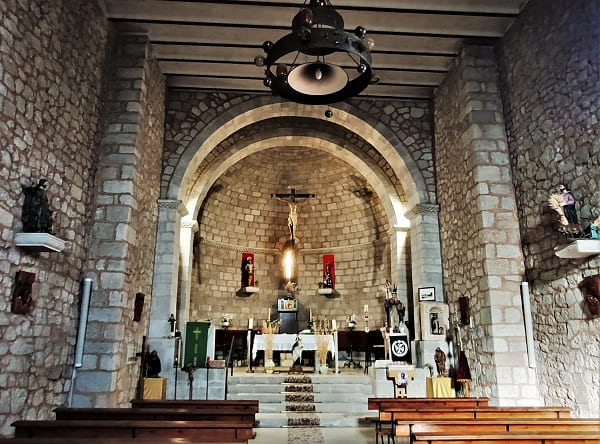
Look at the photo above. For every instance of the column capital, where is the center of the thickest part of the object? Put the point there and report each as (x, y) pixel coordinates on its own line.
(422, 209)
(190, 224)
(172, 204)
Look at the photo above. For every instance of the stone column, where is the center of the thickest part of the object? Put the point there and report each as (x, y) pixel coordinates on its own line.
(165, 287)
(166, 267)
(425, 253)
(188, 228)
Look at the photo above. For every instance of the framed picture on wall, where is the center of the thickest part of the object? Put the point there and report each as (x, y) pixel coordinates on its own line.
(427, 294)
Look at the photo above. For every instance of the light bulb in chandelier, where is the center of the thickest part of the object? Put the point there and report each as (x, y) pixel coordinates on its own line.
(318, 74)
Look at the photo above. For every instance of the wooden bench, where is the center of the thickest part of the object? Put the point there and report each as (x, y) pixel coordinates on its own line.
(154, 414)
(418, 403)
(198, 430)
(402, 419)
(511, 438)
(101, 440)
(477, 430)
(384, 427)
(242, 405)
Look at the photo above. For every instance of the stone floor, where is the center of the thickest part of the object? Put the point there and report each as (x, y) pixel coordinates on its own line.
(301, 435)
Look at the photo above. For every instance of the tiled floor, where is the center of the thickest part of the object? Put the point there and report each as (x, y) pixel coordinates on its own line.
(336, 435)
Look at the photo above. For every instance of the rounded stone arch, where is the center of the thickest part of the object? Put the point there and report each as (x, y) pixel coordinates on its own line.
(375, 177)
(261, 108)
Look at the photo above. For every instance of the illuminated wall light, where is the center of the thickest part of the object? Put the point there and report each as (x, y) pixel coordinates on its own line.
(288, 264)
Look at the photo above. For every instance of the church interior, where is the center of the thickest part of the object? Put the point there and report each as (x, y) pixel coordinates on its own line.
(159, 184)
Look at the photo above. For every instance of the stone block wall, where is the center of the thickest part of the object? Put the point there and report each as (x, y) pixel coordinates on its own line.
(551, 93)
(51, 67)
(481, 246)
(240, 215)
(124, 227)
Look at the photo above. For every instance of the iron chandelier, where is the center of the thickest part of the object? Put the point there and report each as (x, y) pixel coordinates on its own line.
(317, 32)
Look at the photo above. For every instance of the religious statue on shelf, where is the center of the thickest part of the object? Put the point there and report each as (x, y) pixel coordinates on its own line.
(440, 361)
(37, 216)
(153, 366)
(248, 272)
(394, 308)
(327, 281)
(563, 203)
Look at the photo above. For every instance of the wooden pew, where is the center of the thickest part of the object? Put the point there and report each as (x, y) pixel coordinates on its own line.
(154, 414)
(383, 426)
(197, 430)
(511, 438)
(479, 430)
(242, 405)
(418, 403)
(100, 440)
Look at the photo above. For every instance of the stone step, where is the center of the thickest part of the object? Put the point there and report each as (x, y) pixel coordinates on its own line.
(258, 378)
(270, 420)
(304, 388)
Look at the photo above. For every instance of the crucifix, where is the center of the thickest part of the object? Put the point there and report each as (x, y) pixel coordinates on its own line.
(292, 199)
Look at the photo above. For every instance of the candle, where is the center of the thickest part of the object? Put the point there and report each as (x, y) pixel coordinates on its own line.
(250, 323)
(269, 317)
(310, 315)
(471, 323)
(333, 324)
(366, 308)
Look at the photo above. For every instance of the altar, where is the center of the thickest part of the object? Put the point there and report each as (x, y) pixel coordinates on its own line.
(284, 342)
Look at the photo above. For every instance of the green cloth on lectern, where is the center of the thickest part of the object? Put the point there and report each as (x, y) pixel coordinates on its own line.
(196, 340)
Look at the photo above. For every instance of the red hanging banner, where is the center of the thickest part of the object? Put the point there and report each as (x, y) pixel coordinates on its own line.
(328, 271)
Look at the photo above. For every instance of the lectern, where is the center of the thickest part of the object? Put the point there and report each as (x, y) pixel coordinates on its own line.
(288, 315)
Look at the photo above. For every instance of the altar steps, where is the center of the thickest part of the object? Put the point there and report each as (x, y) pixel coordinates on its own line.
(306, 400)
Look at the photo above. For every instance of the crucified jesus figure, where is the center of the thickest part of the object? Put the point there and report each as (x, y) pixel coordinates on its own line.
(292, 199)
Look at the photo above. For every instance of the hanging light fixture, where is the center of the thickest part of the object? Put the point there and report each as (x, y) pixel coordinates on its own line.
(317, 32)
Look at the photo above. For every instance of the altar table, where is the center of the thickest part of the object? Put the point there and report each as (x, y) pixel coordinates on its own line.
(439, 387)
(284, 342)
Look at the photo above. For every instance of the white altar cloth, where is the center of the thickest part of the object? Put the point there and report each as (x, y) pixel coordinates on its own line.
(284, 342)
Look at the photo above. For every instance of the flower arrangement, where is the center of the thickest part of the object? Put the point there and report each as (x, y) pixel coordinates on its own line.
(269, 329)
(352, 321)
(430, 368)
(226, 320)
(322, 340)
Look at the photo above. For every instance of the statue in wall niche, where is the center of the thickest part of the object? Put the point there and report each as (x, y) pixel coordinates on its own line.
(590, 287)
(153, 366)
(248, 272)
(36, 216)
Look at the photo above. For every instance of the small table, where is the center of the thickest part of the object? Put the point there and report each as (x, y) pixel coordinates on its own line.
(440, 387)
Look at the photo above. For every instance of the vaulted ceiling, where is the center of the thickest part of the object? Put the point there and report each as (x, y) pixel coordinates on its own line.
(211, 45)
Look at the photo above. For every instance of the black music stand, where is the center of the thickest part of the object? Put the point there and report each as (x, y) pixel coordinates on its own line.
(351, 363)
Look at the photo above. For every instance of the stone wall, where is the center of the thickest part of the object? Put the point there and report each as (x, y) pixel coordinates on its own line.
(344, 218)
(481, 249)
(551, 93)
(51, 61)
(124, 228)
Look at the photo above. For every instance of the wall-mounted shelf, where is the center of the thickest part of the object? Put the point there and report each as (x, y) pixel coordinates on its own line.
(328, 292)
(578, 249)
(247, 291)
(40, 242)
